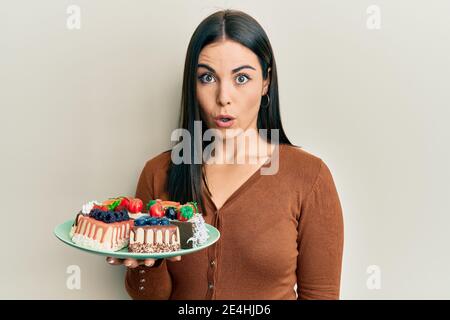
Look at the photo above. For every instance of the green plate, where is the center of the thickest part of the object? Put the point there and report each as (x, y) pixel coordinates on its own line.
(62, 233)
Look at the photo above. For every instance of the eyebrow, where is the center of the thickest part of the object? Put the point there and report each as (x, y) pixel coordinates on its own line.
(232, 71)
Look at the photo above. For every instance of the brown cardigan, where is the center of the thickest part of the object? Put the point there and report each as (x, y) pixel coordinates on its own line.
(276, 231)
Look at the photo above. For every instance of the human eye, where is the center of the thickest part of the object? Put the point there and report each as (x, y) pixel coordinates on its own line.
(206, 78)
(242, 78)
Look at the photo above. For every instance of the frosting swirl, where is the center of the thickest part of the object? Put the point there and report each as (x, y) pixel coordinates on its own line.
(86, 209)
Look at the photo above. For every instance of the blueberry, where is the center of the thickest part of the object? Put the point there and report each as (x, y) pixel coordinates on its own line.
(99, 215)
(140, 222)
(171, 213)
(118, 216)
(153, 221)
(106, 217)
(125, 215)
(109, 217)
(93, 213)
(164, 222)
(146, 219)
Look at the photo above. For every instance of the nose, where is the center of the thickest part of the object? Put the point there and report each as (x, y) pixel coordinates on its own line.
(224, 94)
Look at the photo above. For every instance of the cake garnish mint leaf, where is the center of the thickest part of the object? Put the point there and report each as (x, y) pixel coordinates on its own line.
(114, 205)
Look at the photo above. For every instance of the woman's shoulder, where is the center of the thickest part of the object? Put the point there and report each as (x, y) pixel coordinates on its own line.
(298, 155)
(160, 162)
(303, 164)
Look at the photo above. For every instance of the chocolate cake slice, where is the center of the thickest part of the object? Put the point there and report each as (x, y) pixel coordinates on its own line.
(186, 232)
(193, 233)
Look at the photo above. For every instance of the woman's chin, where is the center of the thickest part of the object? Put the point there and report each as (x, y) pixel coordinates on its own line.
(229, 133)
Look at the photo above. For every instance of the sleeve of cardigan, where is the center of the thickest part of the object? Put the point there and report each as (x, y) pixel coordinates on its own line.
(320, 240)
(149, 283)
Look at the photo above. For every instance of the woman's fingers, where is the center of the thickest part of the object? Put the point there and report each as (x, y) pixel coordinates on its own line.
(131, 263)
(177, 258)
(149, 262)
(114, 261)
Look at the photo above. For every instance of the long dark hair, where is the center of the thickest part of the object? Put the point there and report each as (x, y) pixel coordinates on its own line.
(186, 181)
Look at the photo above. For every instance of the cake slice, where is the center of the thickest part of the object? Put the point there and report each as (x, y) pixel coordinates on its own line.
(92, 233)
(154, 235)
(104, 226)
(189, 223)
(193, 232)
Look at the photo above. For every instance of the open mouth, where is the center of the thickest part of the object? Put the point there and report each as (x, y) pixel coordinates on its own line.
(224, 121)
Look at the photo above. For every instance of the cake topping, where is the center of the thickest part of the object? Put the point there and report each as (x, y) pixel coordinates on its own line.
(156, 209)
(114, 204)
(164, 222)
(101, 207)
(185, 213)
(135, 205)
(109, 216)
(150, 203)
(140, 221)
(125, 202)
(167, 203)
(194, 206)
(171, 213)
(89, 206)
(151, 221)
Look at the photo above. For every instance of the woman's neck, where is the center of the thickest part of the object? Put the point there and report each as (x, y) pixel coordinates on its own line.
(242, 149)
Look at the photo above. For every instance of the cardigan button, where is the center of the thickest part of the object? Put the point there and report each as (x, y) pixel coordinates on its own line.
(213, 263)
(141, 288)
(142, 280)
(211, 285)
(142, 271)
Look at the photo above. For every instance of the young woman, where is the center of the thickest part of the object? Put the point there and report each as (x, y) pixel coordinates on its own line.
(279, 230)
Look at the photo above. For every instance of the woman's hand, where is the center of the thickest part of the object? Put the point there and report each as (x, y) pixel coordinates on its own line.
(133, 263)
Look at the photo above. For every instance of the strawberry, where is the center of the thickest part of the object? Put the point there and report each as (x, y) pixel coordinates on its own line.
(193, 204)
(100, 207)
(185, 212)
(120, 208)
(124, 202)
(152, 202)
(157, 210)
(96, 206)
(135, 205)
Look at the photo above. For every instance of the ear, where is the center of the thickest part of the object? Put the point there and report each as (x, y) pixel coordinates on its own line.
(266, 83)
